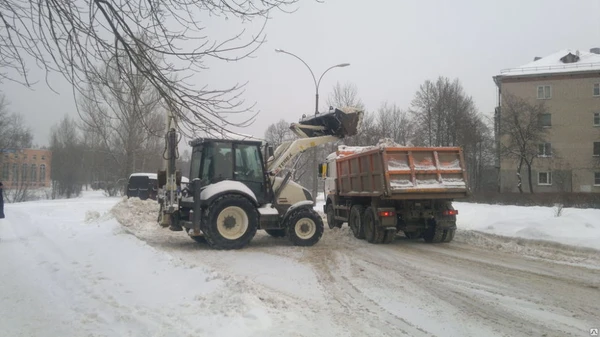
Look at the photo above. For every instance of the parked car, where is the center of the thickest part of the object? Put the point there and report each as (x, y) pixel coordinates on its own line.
(143, 186)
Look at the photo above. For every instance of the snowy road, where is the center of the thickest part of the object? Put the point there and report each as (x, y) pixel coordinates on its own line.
(64, 276)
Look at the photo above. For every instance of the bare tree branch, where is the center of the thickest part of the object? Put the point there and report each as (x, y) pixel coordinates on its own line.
(78, 38)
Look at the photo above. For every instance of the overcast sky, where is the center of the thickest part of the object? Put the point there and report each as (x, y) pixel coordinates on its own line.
(393, 47)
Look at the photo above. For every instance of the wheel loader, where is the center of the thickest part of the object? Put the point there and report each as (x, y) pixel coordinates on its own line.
(238, 185)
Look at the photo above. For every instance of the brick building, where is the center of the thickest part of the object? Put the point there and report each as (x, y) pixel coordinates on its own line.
(26, 167)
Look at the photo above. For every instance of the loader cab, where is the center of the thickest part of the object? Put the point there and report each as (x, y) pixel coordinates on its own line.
(215, 160)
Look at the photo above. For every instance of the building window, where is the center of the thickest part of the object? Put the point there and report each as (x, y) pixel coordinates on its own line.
(544, 92)
(544, 178)
(43, 157)
(24, 172)
(34, 157)
(43, 173)
(597, 178)
(16, 156)
(596, 148)
(596, 118)
(546, 120)
(5, 169)
(596, 89)
(15, 174)
(33, 176)
(545, 150)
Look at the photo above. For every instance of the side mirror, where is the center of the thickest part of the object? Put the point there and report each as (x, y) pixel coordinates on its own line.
(269, 151)
(322, 170)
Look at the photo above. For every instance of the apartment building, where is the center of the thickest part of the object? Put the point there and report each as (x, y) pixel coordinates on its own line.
(26, 167)
(568, 82)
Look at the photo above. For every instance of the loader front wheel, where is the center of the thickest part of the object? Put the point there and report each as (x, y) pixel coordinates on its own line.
(355, 221)
(232, 221)
(304, 227)
(373, 232)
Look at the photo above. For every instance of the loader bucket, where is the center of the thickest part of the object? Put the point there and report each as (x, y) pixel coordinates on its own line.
(338, 123)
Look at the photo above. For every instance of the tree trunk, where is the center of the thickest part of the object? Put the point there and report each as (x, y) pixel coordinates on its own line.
(519, 177)
(529, 175)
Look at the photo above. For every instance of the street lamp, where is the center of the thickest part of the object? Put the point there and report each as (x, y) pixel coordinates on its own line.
(317, 83)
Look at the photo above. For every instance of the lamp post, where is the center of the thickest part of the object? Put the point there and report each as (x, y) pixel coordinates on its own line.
(317, 83)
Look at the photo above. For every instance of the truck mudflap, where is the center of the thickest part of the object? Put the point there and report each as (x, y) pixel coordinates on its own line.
(338, 123)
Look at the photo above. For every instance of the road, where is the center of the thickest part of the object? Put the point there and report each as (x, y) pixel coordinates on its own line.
(65, 275)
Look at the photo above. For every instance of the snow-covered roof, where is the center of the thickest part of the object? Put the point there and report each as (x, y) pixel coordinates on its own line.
(149, 175)
(552, 64)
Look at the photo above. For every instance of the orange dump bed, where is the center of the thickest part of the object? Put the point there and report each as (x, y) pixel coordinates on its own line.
(402, 172)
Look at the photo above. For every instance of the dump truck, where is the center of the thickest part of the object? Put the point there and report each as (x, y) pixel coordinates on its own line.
(239, 185)
(386, 189)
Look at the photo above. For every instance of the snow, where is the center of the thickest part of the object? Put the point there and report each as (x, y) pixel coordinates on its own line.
(552, 64)
(397, 165)
(149, 175)
(453, 165)
(578, 227)
(99, 266)
(225, 185)
(268, 210)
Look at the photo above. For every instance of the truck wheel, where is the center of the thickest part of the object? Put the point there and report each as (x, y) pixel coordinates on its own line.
(373, 233)
(231, 223)
(304, 227)
(276, 233)
(331, 222)
(355, 221)
(449, 235)
(389, 236)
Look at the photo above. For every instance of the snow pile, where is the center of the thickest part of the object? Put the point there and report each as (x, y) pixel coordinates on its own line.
(576, 227)
(136, 213)
(91, 216)
(345, 150)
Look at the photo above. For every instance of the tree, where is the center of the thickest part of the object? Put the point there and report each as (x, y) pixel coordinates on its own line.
(126, 117)
(13, 132)
(67, 155)
(345, 95)
(522, 131)
(277, 133)
(77, 38)
(444, 115)
(394, 123)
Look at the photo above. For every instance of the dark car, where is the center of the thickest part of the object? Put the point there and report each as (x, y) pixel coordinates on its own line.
(143, 186)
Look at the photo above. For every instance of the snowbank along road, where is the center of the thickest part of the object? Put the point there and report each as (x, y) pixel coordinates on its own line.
(84, 268)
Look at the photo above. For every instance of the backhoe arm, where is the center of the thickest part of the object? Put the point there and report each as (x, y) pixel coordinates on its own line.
(288, 150)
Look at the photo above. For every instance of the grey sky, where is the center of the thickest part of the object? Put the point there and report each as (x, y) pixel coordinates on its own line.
(393, 46)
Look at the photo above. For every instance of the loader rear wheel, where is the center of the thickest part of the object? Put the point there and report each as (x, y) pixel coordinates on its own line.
(305, 227)
(276, 233)
(231, 223)
(373, 233)
(331, 221)
(355, 221)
